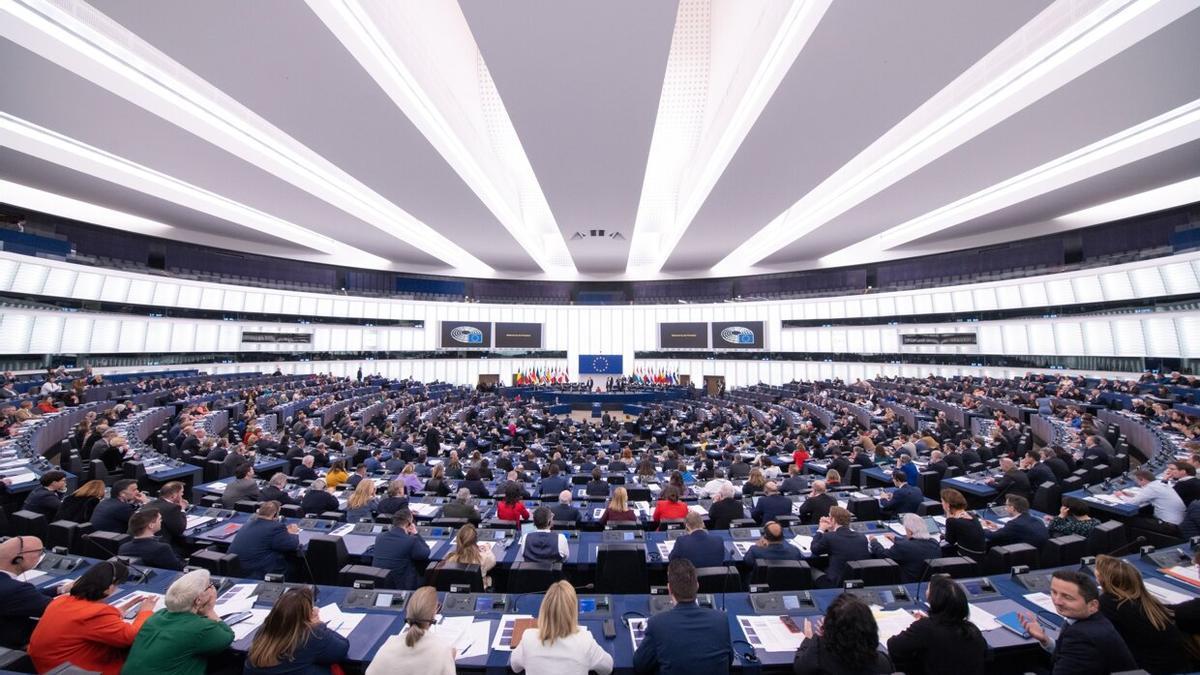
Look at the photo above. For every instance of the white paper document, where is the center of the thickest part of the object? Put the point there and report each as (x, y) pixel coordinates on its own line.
(983, 619)
(637, 632)
(696, 508)
(244, 628)
(197, 521)
(802, 542)
(892, 622)
(1165, 595)
(504, 634)
(665, 548)
(1042, 600)
(342, 623)
(770, 633)
(883, 541)
(426, 510)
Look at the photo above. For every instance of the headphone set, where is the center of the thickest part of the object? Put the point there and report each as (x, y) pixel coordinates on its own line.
(19, 558)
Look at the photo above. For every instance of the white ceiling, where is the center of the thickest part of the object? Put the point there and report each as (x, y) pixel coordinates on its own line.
(482, 138)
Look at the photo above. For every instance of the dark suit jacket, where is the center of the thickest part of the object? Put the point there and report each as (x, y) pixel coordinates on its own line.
(816, 658)
(700, 547)
(174, 521)
(910, 555)
(1059, 468)
(399, 551)
(22, 600)
(792, 484)
(274, 494)
(597, 488)
(1156, 651)
(1040, 473)
(457, 509)
(553, 485)
(152, 552)
(843, 546)
(815, 508)
(905, 499)
(769, 507)
(565, 512)
(1091, 645)
(724, 512)
(1013, 482)
(260, 546)
(303, 473)
(1024, 529)
(688, 639)
(318, 501)
(1188, 490)
(938, 647)
(42, 500)
(112, 515)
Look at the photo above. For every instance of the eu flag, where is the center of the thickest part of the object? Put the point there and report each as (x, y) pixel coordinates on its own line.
(600, 364)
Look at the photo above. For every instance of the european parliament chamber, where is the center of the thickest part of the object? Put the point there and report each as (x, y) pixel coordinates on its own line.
(408, 337)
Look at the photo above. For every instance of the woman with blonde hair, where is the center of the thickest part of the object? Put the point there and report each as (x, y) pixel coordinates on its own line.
(362, 503)
(755, 484)
(558, 645)
(416, 651)
(467, 551)
(293, 639)
(618, 508)
(1146, 624)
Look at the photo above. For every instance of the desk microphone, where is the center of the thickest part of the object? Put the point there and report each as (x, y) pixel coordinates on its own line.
(1121, 550)
(144, 575)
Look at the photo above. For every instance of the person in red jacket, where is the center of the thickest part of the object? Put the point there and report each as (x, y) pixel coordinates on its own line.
(799, 457)
(511, 507)
(669, 507)
(83, 629)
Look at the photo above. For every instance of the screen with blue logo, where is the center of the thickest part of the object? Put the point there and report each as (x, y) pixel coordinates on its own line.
(737, 335)
(466, 335)
(600, 364)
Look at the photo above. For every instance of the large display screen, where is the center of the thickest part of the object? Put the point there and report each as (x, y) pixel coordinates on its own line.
(275, 338)
(466, 335)
(686, 335)
(938, 339)
(737, 334)
(518, 335)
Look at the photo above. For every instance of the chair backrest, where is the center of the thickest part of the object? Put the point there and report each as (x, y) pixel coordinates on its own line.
(958, 567)
(100, 472)
(1066, 550)
(326, 555)
(1106, 537)
(28, 524)
(104, 545)
(874, 572)
(1001, 559)
(533, 577)
(720, 579)
(68, 534)
(782, 575)
(621, 568)
(352, 573)
(446, 574)
(931, 484)
(623, 525)
(1047, 498)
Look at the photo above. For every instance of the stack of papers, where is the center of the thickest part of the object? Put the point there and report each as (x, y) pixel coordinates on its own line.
(983, 619)
(883, 540)
(1165, 595)
(1042, 600)
(244, 628)
(1189, 574)
(802, 542)
(424, 510)
(196, 521)
(504, 634)
(139, 595)
(469, 637)
(665, 548)
(343, 530)
(892, 622)
(342, 623)
(240, 598)
(772, 633)
(637, 632)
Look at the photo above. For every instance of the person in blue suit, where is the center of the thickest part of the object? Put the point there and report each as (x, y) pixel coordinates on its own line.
(842, 544)
(906, 498)
(771, 505)
(152, 551)
(911, 552)
(1024, 528)
(687, 639)
(23, 602)
(553, 483)
(112, 514)
(771, 547)
(698, 546)
(262, 544)
(911, 473)
(1088, 643)
(400, 550)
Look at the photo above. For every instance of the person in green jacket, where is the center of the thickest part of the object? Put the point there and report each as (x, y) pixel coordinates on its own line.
(180, 638)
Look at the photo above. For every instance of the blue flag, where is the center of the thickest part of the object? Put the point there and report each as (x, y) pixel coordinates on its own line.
(600, 364)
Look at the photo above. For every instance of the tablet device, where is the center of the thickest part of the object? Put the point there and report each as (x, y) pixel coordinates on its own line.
(1012, 621)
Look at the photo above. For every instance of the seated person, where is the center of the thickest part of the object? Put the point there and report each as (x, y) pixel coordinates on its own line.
(794, 483)
(112, 514)
(145, 545)
(945, 641)
(618, 509)
(543, 545)
(848, 642)
(1024, 528)
(263, 543)
(670, 505)
(468, 551)
(725, 508)
(276, 490)
(362, 503)
(817, 505)
(243, 486)
(44, 498)
(842, 544)
(181, 638)
(1147, 625)
(319, 498)
(1088, 642)
(597, 487)
(698, 546)
(304, 470)
(687, 638)
(416, 650)
(772, 546)
(511, 507)
(771, 505)
(23, 602)
(83, 629)
(401, 550)
(337, 474)
(1073, 518)
(554, 483)
(293, 639)
(395, 499)
(911, 552)
(559, 644)
(563, 511)
(462, 507)
(906, 498)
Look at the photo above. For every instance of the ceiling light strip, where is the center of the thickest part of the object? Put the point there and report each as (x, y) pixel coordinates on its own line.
(123, 63)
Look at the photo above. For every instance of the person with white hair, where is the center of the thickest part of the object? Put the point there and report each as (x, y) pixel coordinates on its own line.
(179, 639)
(563, 511)
(911, 552)
(725, 509)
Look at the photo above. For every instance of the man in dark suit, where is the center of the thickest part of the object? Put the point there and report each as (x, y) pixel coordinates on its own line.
(262, 544)
(1056, 465)
(794, 483)
(771, 547)
(1037, 471)
(462, 507)
(171, 505)
(840, 464)
(698, 546)
(1093, 449)
(725, 508)
(937, 464)
(112, 514)
(553, 483)
(1088, 642)
(771, 505)
(304, 470)
(23, 602)
(44, 498)
(1013, 481)
(842, 544)
(906, 498)
(1022, 529)
(276, 490)
(817, 505)
(1182, 475)
(911, 552)
(563, 511)
(401, 550)
(688, 638)
(597, 486)
(144, 525)
(739, 469)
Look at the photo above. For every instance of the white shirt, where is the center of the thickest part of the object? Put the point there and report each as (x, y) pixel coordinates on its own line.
(431, 655)
(51, 388)
(1168, 507)
(573, 655)
(712, 487)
